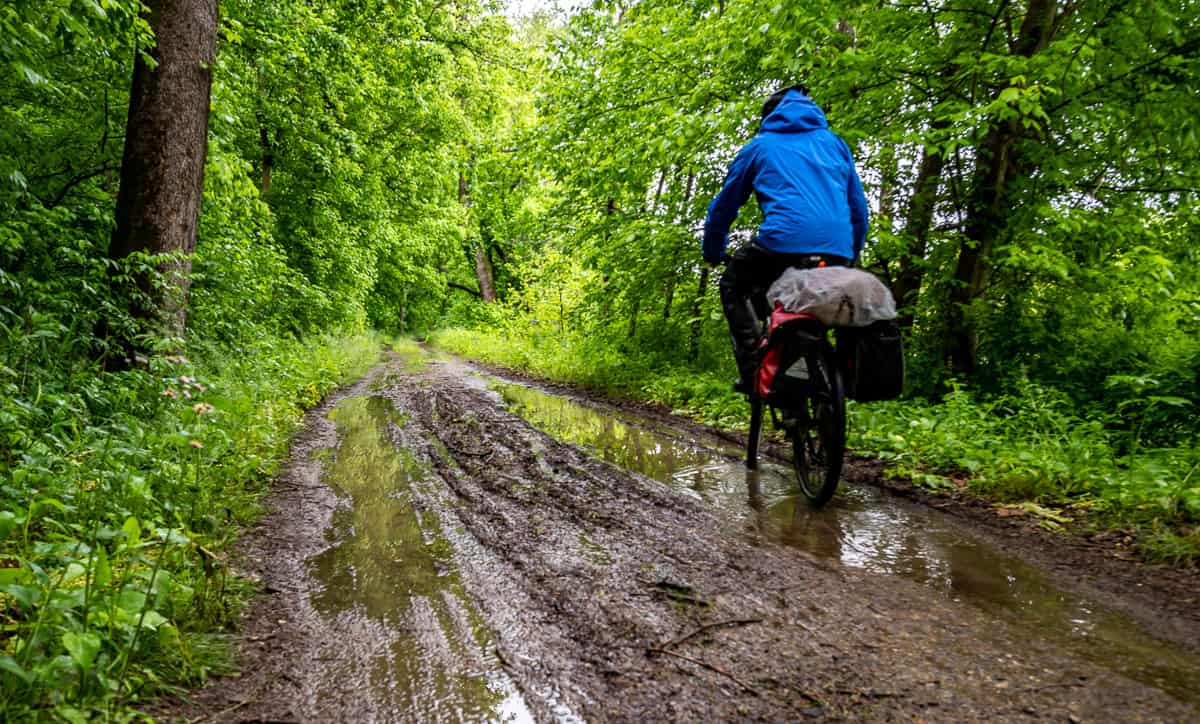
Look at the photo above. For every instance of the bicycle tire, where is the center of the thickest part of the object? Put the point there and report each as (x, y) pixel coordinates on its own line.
(754, 436)
(819, 440)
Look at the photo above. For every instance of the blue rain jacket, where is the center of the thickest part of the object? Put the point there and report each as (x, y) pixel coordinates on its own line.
(804, 179)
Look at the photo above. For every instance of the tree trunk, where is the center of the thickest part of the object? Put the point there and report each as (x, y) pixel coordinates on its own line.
(687, 252)
(916, 231)
(697, 323)
(997, 167)
(610, 208)
(888, 172)
(484, 273)
(403, 309)
(166, 141)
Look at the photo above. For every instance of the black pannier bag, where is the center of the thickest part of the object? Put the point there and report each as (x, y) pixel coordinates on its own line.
(789, 358)
(872, 361)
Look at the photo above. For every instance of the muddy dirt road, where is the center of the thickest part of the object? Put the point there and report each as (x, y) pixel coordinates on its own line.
(448, 546)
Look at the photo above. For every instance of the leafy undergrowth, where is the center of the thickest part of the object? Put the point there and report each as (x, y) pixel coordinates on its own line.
(1030, 447)
(1026, 449)
(118, 493)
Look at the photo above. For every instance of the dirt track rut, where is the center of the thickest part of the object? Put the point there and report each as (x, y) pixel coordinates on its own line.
(560, 587)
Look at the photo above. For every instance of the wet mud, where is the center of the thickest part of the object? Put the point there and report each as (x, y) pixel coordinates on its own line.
(864, 527)
(447, 546)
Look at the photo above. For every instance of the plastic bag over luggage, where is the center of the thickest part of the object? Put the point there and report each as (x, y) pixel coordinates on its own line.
(836, 295)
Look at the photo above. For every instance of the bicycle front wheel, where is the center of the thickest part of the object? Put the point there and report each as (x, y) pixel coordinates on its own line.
(819, 438)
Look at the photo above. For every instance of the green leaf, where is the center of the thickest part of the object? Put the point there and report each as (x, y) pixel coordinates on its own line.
(31, 75)
(26, 595)
(41, 504)
(133, 531)
(72, 715)
(8, 521)
(82, 647)
(153, 620)
(95, 7)
(131, 600)
(74, 572)
(9, 664)
(15, 573)
(102, 574)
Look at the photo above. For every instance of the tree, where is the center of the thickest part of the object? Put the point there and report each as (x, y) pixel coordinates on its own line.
(166, 143)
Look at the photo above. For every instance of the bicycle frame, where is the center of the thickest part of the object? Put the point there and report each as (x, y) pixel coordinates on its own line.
(814, 422)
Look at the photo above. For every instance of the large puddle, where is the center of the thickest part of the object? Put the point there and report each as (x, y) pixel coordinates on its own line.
(391, 571)
(867, 529)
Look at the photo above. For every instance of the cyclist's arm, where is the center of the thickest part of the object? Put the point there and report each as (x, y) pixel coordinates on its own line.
(724, 207)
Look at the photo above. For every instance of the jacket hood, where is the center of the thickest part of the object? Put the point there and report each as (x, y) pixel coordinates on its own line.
(796, 113)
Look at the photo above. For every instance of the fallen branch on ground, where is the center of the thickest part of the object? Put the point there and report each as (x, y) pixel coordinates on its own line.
(709, 626)
(705, 664)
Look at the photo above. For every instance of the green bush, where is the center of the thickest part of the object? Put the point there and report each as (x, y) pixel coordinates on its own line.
(118, 493)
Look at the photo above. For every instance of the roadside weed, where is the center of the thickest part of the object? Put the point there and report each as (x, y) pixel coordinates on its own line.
(118, 494)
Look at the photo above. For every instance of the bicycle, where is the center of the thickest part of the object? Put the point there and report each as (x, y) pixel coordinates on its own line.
(809, 405)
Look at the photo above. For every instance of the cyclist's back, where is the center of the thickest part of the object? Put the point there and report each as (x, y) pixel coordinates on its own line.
(814, 210)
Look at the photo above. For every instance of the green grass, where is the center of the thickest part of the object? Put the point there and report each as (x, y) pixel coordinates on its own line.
(1025, 447)
(118, 494)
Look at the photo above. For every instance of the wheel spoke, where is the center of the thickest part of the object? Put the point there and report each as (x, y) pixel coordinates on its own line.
(819, 438)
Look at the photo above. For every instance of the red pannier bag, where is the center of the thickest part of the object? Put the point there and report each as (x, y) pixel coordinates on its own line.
(789, 357)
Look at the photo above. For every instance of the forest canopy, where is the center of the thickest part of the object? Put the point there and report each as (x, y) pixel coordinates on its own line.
(531, 189)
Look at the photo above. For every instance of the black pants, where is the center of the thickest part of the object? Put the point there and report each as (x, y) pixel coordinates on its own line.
(750, 272)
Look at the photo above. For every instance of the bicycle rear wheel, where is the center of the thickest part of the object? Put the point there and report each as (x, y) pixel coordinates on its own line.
(819, 438)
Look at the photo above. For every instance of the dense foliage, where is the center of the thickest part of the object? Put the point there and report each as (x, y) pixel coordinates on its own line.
(1033, 171)
(338, 133)
(1032, 168)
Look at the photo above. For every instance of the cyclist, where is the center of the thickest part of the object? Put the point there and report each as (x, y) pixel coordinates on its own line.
(814, 213)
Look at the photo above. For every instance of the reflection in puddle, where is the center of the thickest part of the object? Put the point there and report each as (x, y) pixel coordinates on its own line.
(390, 569)
(632, 444)
(865, 528)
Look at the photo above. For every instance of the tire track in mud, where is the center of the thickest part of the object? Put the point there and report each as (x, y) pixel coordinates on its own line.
(587, 577)
(859, 645)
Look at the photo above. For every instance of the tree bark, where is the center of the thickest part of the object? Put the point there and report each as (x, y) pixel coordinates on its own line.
(610, 208)
(484, 273)
(463, 288)
(888, 171)
(403, 309)
(670, 288)
(166, 142)
(997, 167)
(697, 324)
(918, 221)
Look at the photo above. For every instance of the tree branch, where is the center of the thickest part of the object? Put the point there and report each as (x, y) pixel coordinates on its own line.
(1194, 188)
(1190, 47)
(468, 290)
(72, 183)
